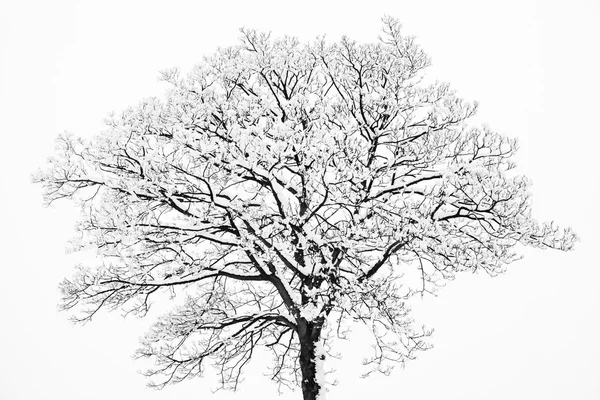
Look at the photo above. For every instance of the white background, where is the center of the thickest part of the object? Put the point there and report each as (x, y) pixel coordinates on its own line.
(532, 333)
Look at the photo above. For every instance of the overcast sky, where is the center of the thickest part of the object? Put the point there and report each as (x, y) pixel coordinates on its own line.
(532, 333)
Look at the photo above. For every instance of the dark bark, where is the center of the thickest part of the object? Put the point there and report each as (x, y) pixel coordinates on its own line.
(309, 333)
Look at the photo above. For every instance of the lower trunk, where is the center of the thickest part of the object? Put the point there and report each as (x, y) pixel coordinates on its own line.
(311, 387)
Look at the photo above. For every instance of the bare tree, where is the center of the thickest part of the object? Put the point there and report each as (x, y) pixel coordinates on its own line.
(285, 190)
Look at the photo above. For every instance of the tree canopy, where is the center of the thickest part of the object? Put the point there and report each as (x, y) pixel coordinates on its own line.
(283, 190)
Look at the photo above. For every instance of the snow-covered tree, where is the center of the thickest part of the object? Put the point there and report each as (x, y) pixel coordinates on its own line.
(284, 190)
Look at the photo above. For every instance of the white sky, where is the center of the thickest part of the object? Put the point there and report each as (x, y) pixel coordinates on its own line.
(534, 66)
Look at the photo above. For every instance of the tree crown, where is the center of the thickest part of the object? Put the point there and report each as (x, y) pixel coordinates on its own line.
(285, 189)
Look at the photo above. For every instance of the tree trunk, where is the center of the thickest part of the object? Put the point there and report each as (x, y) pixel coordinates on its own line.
(310, 333)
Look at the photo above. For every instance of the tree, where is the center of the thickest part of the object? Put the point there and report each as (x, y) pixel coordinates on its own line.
(285, 190)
